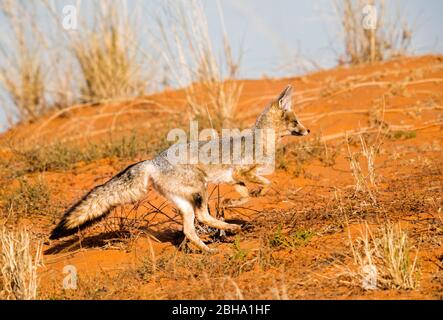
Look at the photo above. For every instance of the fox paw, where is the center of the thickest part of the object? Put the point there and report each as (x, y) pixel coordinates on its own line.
(256, 192)
(234, 227)
(226, 203)
(211, 250)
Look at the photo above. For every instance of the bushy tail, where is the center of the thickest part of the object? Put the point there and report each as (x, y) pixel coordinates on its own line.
(128, 186)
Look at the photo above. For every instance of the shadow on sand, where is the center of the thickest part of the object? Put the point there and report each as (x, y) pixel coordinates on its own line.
(175, 237)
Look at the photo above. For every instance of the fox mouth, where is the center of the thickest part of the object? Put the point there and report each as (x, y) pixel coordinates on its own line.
(297, 133)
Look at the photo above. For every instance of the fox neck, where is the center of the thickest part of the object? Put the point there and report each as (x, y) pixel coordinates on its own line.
(270, 118)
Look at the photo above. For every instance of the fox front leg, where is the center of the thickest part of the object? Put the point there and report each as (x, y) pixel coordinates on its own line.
(244, 197)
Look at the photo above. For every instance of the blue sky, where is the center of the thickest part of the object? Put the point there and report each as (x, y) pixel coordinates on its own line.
(275, 36)
(274, 33)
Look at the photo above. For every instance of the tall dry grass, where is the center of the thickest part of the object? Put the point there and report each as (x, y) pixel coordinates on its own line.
(192, 61)
(364, 172)
(21, 69)
(390, 37)
(18, 265)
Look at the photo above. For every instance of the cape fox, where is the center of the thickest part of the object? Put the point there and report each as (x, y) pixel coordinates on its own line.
(185, 185)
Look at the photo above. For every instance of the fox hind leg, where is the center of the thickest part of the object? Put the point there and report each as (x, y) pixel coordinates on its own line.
(187, 210)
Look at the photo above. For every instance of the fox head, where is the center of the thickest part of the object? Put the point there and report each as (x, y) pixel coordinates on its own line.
(290, 126)
(279, 116)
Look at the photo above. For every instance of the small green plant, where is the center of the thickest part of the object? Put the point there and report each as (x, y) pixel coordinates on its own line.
(265, 258)
(280, 156)
(402, 135)
(237, 262)
(239, 253)
(295, 239)
(152, 265)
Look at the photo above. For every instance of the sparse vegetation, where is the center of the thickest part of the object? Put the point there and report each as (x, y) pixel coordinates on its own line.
(61, 156)
(30, 198)
(302, 153)
(260, 262)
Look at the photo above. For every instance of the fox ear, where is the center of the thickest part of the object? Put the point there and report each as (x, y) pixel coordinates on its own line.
(285, 99)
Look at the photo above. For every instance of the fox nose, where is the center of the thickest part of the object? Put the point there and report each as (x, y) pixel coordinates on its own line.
(309, 131)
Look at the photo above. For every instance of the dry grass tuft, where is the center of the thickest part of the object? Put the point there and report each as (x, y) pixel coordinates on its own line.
(18, 265)
(108, 56)
(383, 259)
(365, 180)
